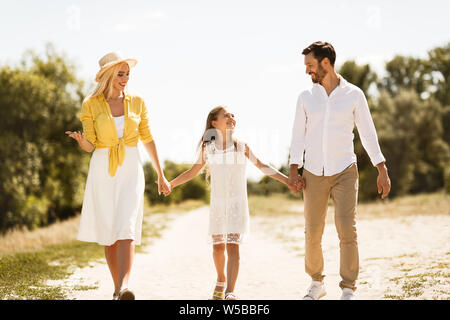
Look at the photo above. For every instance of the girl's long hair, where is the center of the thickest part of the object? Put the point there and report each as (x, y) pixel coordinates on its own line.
(210, 134)
(105, 83)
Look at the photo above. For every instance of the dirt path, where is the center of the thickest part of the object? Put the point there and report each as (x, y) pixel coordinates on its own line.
(179, 265)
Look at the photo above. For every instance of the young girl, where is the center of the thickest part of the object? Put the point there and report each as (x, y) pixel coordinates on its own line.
(229, 215)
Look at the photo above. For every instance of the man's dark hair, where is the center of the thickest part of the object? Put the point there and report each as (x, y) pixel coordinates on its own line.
(321, 50)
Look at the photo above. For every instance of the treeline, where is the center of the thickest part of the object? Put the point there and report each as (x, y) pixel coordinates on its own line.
(43, 173)
(410, 106)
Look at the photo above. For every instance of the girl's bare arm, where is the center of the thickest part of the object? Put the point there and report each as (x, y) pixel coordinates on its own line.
(190, 173)
(265, 168)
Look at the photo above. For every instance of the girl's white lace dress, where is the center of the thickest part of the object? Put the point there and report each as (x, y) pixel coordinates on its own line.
(229, 214)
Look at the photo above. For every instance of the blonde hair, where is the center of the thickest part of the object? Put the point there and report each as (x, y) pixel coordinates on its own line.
(106, 80)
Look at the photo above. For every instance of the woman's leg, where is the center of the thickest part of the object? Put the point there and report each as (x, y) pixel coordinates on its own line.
(125, 255)
(219, 262)
(232, 266)
(111, 259)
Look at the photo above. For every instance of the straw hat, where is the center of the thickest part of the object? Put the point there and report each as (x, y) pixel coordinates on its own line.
(111, 59)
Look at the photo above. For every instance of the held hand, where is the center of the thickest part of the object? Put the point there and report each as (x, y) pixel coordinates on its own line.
(383, 184)
(300, 184)
(293, 188)
(292, 180)
(160, 189)
(291, 183)
(163, 186)
(296, 183)
(166, 189)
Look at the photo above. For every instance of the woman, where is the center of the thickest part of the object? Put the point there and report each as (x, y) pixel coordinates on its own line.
(113, 122)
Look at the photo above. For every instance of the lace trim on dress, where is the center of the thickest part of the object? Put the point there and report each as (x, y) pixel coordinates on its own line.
(233, 238)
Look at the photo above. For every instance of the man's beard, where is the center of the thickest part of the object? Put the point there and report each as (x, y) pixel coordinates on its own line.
(318, 76)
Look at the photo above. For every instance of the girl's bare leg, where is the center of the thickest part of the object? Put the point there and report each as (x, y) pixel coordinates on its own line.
(219, 262)
(232, 266)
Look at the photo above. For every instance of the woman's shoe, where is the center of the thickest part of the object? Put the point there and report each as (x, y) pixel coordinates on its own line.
(219, 295)
(126, 294)
(230, 296)
(115, 296)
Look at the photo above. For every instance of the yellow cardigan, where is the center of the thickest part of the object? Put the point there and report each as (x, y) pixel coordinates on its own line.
(100, 129)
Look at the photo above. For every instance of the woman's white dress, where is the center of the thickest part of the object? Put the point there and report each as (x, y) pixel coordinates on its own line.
(113, 206)
(229, 214)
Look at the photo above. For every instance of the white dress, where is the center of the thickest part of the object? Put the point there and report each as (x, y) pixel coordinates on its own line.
(229, 214)
(113, 206)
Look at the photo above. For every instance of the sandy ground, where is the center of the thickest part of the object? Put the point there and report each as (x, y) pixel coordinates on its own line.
(405, 257)
(400, 258)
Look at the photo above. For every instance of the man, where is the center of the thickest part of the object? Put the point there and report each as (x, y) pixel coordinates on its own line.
(322, 143)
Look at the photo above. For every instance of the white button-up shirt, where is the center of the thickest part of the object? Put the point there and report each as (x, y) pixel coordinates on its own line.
(323, 129)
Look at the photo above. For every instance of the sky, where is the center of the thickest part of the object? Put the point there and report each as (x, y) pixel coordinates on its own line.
(246, 55)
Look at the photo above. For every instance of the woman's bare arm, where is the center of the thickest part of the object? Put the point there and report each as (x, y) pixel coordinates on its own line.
(81, 139)
(163, 184)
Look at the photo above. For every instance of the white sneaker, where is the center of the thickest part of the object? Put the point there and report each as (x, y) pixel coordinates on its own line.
(316, 291)
(348, 294)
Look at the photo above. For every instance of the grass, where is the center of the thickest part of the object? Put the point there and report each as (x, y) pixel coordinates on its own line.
(437, 203)
(24, 240)
(23, 275)
(274, 205)
(413, 286)
(419, 281)
(28, 259)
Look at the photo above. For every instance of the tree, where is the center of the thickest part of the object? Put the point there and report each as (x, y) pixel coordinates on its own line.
(361, 76)
(412, 123)
(406, 73)
(439, 65)
(44, 172)
(410, 136)
(439, 61)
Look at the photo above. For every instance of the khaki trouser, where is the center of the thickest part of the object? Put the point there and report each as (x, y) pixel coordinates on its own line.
(343, 188)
